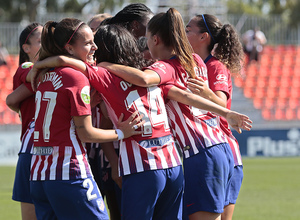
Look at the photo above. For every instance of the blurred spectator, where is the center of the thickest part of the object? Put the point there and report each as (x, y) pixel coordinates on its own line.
(96, 20)
(3, 55)
(253, 41)
(143, 47)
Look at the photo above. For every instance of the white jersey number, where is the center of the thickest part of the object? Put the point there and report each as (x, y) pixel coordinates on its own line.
(157, 111)
(50, 98)
(87, 183)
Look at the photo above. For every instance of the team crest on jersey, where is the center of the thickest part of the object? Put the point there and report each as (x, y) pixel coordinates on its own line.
(85, 95)
(26, 65)
(101, 204)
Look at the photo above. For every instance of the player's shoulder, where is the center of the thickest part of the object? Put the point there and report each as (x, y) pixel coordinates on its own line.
(162, 64)
(198, 60)
(215, 63)
(24, 68)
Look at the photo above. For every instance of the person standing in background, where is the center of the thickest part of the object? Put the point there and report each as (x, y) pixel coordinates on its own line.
(3, 55)
(254, 41)
(96, 20)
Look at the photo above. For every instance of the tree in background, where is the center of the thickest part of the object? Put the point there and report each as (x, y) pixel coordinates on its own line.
(289, 9)
(18, 10)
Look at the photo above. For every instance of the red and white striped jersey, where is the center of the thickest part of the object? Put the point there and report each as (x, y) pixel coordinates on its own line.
(155, 148)
(58, 152)
(194, 129)
(27, 106)
(27, 140)
(219, 79)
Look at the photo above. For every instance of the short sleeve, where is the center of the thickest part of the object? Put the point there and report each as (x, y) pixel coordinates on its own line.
(218, 77)
(164, 70)
(79, 94)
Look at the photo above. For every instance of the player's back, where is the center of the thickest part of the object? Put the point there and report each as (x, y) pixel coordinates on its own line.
(154, 148)
(58, 100)
(58, 153)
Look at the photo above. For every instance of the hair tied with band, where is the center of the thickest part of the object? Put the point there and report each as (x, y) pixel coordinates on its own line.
(74, 33)
(208, 29)
(30, 34)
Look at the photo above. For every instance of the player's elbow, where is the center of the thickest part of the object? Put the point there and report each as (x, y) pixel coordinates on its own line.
(11, 103)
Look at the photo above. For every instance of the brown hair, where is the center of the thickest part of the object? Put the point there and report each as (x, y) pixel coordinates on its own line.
(55, 36)
(170, 28)
(228, 48)
(25, 37)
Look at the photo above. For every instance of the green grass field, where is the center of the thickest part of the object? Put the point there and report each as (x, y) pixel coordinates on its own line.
(270, 190)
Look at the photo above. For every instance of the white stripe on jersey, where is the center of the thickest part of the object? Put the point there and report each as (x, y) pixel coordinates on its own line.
(78, 152)
(137, 156)
(237, 154)
(163, 160)
(43, 171)
(177, 133)
(152, 162)
(205, 137)
(170, 150)
(184, 123)
(124, 157)
(66, 163)
(26, 139)
(55, 154)
(35, 157)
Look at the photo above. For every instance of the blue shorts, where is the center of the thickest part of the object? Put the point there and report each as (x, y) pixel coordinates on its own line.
(207, 177)
(21, 190)
(154, 194)
(68, 199)
(235, 184)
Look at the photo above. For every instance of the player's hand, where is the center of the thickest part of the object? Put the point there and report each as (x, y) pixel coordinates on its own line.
(131, 125)
(239, 121)
(199, 87)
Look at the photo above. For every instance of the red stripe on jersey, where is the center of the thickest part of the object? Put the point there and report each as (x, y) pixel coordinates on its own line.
(42, 159)
(131, 160)
(158, 159)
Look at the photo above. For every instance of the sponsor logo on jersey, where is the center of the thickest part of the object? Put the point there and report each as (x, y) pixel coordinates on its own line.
(42, 150)
(157, 141)
(160, 66)
(26, 65)
(85, 95)
(211, 122)
(221, 77)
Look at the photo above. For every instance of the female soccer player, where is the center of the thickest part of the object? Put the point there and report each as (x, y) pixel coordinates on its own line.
(150, 163)
(204, 144)
(61, 185)
(21, 100)
(206, 33)
(134, 17)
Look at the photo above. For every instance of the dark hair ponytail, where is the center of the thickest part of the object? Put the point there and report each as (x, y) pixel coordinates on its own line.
(170, 28)
(25, 38)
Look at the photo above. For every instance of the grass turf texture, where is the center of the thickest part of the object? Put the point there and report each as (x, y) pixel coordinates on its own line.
(270, 190)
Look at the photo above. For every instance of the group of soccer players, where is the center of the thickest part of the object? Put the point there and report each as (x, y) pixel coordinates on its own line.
(145, 105)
